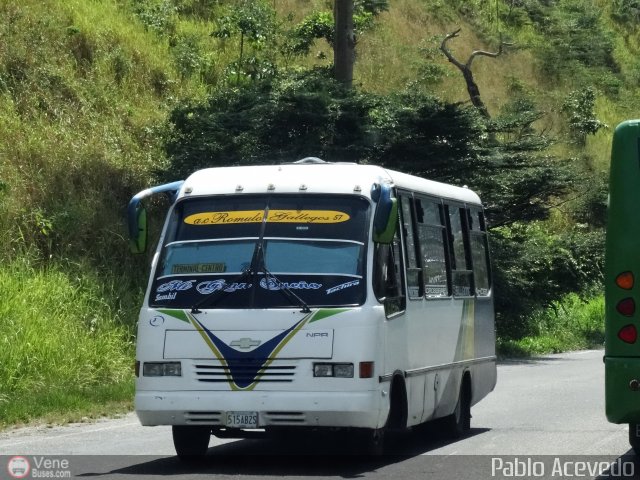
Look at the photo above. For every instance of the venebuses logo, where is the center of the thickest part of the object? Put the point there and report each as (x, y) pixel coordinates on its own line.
(18, 467)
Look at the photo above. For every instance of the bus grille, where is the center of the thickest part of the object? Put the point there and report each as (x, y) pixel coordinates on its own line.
(245, 372)
(285, 418)
(205, 418)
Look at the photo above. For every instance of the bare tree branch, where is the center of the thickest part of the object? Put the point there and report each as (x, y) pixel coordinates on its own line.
(445, 50)
(465, 69)
(476, 53)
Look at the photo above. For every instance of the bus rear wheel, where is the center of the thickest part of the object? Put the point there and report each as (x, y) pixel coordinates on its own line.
(371, 442)
(634, 437)
(458, 423)
(191, 442)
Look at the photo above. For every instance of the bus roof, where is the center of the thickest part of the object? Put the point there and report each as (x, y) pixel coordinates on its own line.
(325, 177)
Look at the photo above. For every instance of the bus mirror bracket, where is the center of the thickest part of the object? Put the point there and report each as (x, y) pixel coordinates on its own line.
(137, 214)
(386, 216)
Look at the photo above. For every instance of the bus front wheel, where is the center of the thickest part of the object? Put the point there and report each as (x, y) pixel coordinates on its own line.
(634, 437)
(191, 442)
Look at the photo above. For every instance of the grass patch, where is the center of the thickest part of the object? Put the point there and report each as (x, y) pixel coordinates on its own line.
(64, 405)
(66, 342)
(571, 324)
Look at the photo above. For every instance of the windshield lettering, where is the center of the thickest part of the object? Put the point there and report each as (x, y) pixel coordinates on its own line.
(274, 216)
(271, 284)
(282, 250)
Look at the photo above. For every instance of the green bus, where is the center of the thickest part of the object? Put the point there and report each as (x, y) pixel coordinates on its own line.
(622, 282)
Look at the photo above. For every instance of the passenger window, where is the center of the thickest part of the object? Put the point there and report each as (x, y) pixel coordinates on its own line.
(431, 236)
(461, 271)
(414, 277)
(479, 252)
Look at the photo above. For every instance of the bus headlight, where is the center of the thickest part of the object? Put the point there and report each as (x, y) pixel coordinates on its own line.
(161, 369)
(341, 370)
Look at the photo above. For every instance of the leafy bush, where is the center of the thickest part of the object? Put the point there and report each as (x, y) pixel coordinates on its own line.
(159, 16)
(534, 268)
(575, 37)
(187, 55)
(626, 11)
(579, 107)
(572, 323)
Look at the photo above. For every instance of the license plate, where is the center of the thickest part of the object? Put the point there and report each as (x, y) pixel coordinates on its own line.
(242, 419)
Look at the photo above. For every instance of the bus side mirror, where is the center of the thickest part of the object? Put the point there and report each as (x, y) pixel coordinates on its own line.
(138, 239)
(137, 214)
(386, 216)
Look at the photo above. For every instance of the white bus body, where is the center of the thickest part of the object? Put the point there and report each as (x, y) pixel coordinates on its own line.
(271, 306)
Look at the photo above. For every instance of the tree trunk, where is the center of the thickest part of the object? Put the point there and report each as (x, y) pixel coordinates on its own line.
(344, 45)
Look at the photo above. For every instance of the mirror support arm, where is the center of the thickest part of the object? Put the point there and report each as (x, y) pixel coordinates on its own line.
(135, 207)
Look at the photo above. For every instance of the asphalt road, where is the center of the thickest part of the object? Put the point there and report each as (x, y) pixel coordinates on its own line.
(545, 419)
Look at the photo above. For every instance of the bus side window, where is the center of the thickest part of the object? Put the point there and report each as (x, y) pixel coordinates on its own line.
(479, 252)
(414, 272)
(432, 236)
(388, 284)
(461, 271)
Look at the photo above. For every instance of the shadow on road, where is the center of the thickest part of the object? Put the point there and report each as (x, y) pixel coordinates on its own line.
(545, 359)
(311, 456)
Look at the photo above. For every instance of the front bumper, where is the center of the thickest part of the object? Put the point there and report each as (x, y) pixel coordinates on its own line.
(368, 409)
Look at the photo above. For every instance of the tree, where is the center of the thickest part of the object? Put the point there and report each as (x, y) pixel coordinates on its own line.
(580, 108)
(339, 28)
(345, 42)
(254, 21)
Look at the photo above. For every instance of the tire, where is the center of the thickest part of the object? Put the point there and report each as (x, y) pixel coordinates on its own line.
(458, 424)
(371, 442)
(634, 437)
(191, 442)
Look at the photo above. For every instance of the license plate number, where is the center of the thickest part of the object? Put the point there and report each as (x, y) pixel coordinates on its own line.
(242, 419)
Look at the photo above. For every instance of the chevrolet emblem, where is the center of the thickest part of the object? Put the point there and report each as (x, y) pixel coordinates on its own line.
(245, 343)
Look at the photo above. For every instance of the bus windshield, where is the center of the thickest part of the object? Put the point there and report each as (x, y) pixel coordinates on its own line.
(313, 246)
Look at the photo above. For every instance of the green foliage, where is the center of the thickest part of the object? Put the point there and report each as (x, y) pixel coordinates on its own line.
(159, 16)
(275, 120)
(62, 333)
(374, 7)
(320, 25)
(254, 21)
(580, 108)
(590, 205)
(533, 268)
(524, 176)
(626, 11)
(431, 72)
(315, 26)
(575, 36)
(572, 323)
(187, 55)
(198, 9)
(310, 114)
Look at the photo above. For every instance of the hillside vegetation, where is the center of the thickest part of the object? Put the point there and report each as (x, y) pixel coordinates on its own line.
(90, 97)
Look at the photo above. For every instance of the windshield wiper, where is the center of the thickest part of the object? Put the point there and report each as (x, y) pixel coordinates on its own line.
(286, 291)
(257, 265)
(250, 272)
